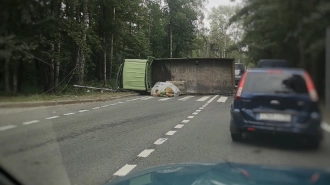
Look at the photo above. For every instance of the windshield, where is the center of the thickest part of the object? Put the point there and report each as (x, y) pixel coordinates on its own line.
(275, 83)
(92, 91)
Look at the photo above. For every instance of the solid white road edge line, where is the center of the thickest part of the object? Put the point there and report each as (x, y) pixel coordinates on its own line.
(146, 152)
(125, 170)
(53, 117)
(211, 100)
(30, 122)
(325, 126)
(170, 133)
(160, 141)
(7, 127)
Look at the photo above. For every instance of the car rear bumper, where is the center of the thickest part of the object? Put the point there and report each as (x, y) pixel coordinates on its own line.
(238, 124)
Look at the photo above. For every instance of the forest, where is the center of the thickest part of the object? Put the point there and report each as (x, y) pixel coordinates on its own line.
(46, 46)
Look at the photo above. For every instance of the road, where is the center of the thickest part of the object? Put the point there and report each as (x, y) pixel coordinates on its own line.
(96, 142)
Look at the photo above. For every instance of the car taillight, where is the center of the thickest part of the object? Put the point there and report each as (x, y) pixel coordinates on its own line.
(311, 88)
(240, 86)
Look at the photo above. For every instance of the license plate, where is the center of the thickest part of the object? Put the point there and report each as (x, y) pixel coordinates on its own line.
(275, 117)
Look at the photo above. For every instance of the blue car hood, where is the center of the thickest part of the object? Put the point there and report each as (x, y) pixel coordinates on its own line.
(225, 174)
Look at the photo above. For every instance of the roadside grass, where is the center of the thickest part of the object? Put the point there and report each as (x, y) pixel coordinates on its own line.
(49, 97)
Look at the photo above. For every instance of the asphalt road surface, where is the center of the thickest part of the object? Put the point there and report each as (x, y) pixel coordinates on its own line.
(96, 142)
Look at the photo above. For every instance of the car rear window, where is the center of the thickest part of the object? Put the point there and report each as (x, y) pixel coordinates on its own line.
(275, 83)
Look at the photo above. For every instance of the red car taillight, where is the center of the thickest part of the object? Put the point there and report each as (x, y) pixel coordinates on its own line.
(311, 88)
(240, 86)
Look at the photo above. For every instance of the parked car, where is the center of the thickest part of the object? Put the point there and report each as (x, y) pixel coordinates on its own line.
(276, 101)
(273, 63)
(239, 71)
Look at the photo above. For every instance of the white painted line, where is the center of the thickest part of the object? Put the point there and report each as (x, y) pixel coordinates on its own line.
(325, 126)
(146, 153)
(147, 98)
(201, 108)
(160, 141)
(164, 99)
(7, 127)
(121, 102)
(53, 117)
(68, 114)
(96, 108)
(105, 106)
(30, 122)
(179, 126)
(185, 98)
(125, 170)
(222, 99)
(195, 113)
(190, 117)
(198, 110)
(211, 100)
(203, 98)
(185, 121)
(83, 110)
(114, 104)
(170, 133)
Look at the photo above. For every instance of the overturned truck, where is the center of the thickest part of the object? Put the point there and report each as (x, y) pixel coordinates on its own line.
(199, 75)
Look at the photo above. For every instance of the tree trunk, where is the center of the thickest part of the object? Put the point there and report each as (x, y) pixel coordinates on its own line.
(57, 64)
(112, 45)
(7, 75)
(82, 52)
(171, 40)
(104, 61)
(51, 70)
(15, 79)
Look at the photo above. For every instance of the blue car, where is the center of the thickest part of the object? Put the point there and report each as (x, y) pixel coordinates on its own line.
(276, 100)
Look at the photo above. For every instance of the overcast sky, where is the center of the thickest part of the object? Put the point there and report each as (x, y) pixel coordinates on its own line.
(216, 3)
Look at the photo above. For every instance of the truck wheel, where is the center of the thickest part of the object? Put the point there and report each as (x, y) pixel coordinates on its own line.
(236, 137)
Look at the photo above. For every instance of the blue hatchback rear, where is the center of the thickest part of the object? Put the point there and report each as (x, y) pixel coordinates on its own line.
(276, 101)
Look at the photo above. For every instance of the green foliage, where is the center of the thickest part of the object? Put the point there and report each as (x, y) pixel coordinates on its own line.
(41, 42)
(294, 30)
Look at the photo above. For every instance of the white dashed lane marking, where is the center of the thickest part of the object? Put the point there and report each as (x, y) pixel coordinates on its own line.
(164, 99)
(170, 133)
(203, 98)
(195, 113)
(179, 126)
(68, 114)
(83, 111)
(185, 98)
(147, 98)
(125, 170)
(185, 121)
(105, 106)
(30, 122)
(160, 141)
(114, 104)
(146, 153)
(7, 127)
(121, 102)
(96, 108)
(190, 117)
(222, 99)
(198, 110)
(53, 117)
(325, 126)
